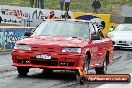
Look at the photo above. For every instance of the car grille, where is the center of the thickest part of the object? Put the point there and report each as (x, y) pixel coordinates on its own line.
(53, 62)
(43, 49)
(123, 44)
(45, 63)
(122, 41)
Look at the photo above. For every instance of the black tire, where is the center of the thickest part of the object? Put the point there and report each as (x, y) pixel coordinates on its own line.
(22, 71)
(47, 71)
(117, 48)
(103, 69)
(81, 80)
(86, 64)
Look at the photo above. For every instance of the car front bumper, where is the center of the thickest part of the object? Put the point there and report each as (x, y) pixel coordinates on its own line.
(58, 61)
(123, 43)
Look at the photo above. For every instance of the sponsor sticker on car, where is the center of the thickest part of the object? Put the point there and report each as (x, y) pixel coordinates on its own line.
(43, 56)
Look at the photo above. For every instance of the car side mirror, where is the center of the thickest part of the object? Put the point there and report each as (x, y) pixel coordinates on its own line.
(28, 34)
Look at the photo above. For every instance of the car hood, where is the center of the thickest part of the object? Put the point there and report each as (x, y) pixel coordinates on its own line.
(57, 41)
(121, 34)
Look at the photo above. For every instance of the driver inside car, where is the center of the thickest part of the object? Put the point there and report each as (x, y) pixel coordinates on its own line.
(96, 33)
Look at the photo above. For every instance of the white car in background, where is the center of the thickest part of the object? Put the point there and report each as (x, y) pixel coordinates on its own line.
(122, 36)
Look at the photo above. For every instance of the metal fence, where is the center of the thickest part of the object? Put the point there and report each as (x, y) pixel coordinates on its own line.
(10, 35)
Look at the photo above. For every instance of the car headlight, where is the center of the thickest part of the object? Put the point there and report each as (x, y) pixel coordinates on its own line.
(75, 50)
(110, 35)
(22, 47)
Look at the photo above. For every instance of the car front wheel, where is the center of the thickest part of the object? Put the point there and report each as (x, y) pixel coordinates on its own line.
(86, 64)
(22, 71)
(103, 69)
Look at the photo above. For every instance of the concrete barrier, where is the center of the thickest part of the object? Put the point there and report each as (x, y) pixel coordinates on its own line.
(10, 35)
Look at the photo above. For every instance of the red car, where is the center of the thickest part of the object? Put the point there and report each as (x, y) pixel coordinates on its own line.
(63, 45)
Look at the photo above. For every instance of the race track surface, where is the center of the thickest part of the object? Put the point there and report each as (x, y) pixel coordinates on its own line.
(122, 64)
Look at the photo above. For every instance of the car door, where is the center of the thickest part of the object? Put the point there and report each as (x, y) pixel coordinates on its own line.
(103, 49)
(96, 46)
(106, 45)
(96, 51)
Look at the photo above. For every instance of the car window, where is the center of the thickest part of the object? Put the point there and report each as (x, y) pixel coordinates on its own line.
(124, 27)
(63, 28)
(95, 31)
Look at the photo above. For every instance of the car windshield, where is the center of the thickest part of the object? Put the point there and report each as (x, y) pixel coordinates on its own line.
(63, 29)
(124, 27)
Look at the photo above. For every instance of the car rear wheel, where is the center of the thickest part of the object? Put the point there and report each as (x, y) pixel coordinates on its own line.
(103, 69)
(22, 71)
(86, 64)
(81, 80)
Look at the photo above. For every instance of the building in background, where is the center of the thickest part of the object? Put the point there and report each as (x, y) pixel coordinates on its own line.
(127, 13)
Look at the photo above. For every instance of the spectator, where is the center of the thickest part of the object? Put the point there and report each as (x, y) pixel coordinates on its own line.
(41, 3)
(67, 5)
(62, 4)
(31, 3)
(0, 19)
(66, 15)
(96, 5)
(36, 3)
(52, 15)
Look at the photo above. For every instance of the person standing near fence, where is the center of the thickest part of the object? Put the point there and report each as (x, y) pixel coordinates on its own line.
(67, 5)
(62, 4)
(31, 3)
(36, 3)
(39, 4)
(42, 3)
(96, 5)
